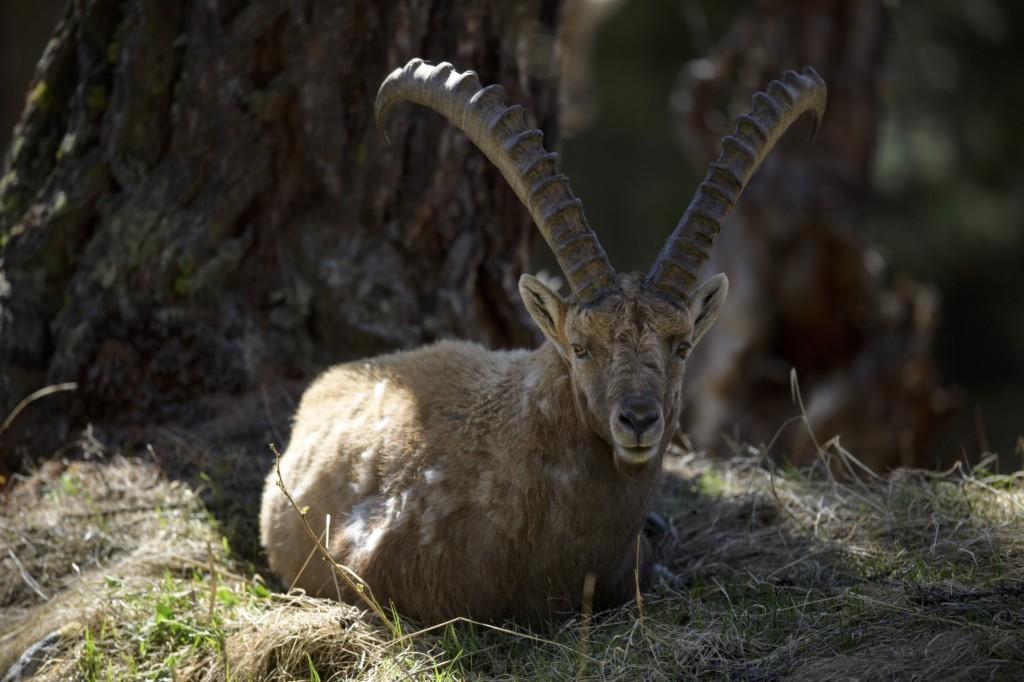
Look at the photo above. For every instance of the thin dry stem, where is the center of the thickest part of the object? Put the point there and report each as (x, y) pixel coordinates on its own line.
(353, 581)
(31, 398)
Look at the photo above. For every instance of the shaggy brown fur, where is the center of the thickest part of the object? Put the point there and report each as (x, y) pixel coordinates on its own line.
(462, 481)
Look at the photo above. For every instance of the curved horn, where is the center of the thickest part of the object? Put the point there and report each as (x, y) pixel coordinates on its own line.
(502, 135)
(783, 102)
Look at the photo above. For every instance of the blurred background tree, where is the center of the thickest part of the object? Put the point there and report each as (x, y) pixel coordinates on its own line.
(809, 295)
(941, 200)
(936, 199)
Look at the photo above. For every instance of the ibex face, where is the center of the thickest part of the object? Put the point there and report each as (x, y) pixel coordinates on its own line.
(625, 353)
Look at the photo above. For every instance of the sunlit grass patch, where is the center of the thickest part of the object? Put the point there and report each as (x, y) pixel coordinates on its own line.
(126, 564)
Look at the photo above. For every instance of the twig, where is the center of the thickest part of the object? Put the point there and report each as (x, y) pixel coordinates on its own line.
(302, 569)
(31, 398)
(29, 580)
(267, 413)
(327, 545)
(360, 588)
(587, 613)
(636, 581)
(930, 595)
(489, 626)
(213, 583)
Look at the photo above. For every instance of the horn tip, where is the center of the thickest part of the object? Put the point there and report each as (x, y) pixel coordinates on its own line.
(382, 106)
(818, 112)
(385, 100)
(815, 124)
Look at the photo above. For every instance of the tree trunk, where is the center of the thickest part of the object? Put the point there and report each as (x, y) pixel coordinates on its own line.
(197, 206)
(807, 293)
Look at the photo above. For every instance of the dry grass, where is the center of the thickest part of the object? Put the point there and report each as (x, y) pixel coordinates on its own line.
(767, 574)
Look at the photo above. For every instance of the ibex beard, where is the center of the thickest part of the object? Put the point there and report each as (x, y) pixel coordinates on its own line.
(466, 482)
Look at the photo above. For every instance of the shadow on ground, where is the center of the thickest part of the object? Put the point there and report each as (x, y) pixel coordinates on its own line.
(765, 573)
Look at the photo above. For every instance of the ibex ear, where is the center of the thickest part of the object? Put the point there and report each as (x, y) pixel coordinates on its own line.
(545, 306)
(707, 303)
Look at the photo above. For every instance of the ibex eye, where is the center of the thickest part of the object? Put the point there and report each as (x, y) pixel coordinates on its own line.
(580, 351)
(683, 349)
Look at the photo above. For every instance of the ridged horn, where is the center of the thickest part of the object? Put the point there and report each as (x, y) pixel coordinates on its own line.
(675, 271)
(501, 133)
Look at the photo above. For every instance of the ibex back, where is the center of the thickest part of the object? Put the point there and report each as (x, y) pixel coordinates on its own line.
(463, 481)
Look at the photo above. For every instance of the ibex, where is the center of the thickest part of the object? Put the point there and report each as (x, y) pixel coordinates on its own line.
(489, 484)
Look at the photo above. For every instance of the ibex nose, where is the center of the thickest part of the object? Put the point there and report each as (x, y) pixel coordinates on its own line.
(639, 413)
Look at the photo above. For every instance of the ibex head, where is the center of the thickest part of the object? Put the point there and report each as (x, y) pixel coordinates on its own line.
(624, 337)
(626, 351)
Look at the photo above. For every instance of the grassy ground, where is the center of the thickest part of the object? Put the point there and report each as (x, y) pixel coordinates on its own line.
(122, 573)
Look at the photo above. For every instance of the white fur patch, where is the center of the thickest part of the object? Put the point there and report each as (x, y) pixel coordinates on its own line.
(358, 529)
(372, 539)
(311, 439)
(382, 423)
(355, 529)
(338, 429)
(433, 476)
(369, 521)
(531, 379)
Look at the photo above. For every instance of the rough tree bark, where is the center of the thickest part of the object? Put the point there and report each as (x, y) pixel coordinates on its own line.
(24, 29)
(197, 206)
(807, 293)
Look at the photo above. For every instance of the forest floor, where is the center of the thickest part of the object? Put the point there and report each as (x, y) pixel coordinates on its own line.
(114, 570)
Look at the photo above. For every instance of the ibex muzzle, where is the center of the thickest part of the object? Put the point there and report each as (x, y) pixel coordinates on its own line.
(637, 426)
(493, 483)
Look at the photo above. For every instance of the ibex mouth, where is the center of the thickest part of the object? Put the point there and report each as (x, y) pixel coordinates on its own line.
(636, 456)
